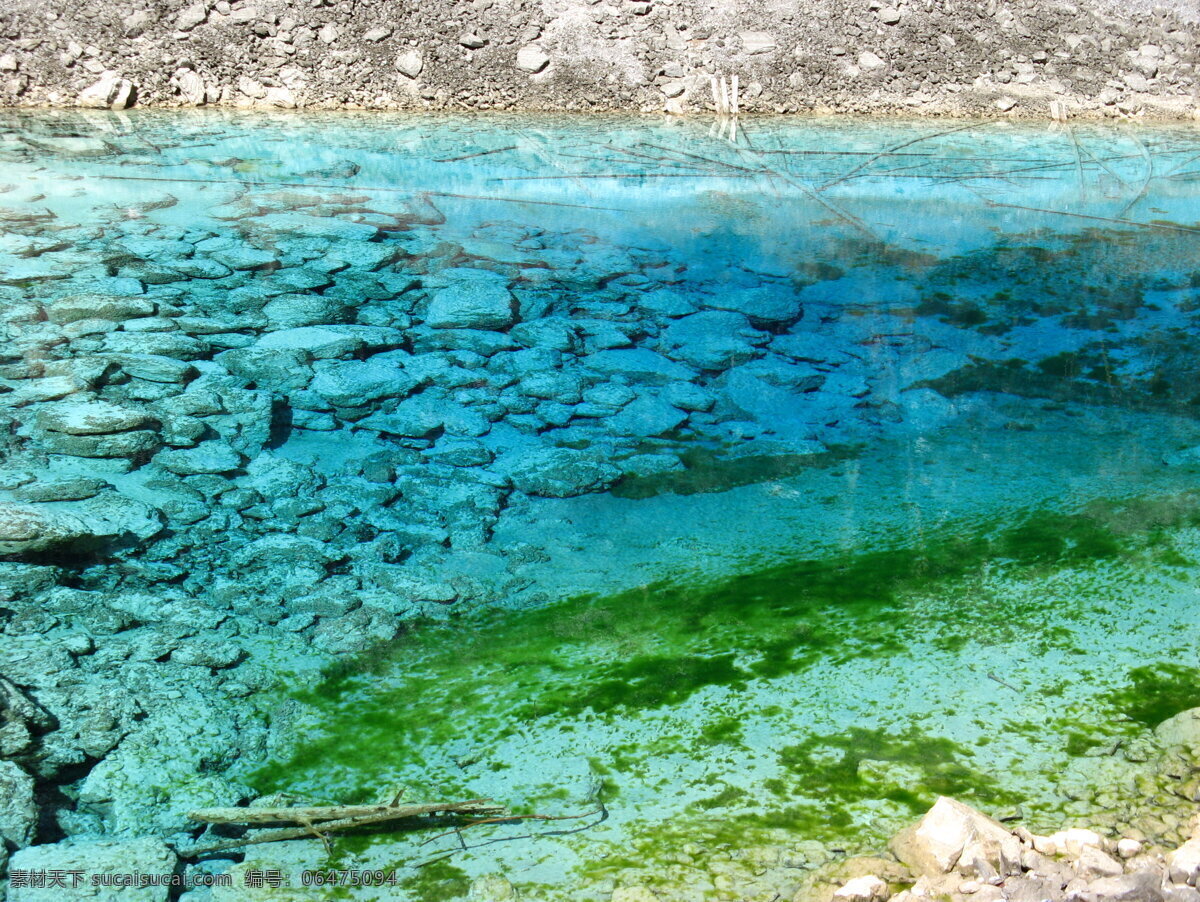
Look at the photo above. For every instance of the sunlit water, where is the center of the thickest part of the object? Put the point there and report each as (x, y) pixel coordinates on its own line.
(726, 494)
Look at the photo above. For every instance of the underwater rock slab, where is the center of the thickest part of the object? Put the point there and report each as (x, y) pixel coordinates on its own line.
(99, 858)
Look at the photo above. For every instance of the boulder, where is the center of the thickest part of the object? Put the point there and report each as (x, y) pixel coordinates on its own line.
(563, 473)
(1139, 886)
(111, 92)
(769, 305)
(358, 382)
(18, 813)
(646, 417)
(1181, 730)
(1184, 862)
(90, 417)
(211, 457)
(532, 58)
(101, 859)
(472, 303)
(867, 888)
(713, 340)
(33, 528)
(638, 365)
(132, 445)
(952, 835)
(97, 306)
(409, 63)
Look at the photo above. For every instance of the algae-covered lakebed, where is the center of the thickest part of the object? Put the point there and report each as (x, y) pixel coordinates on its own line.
(723, 498)
(827, 699)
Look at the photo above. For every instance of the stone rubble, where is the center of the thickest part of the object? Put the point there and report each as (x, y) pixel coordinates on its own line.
(1012, 58)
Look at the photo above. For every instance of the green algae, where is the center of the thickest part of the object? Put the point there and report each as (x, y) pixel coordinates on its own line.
(909, 768)
(1157, 692)
(706, 470)
(648, 652)
(437, 881)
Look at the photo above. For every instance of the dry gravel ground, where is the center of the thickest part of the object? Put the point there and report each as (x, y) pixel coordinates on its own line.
(998, 57)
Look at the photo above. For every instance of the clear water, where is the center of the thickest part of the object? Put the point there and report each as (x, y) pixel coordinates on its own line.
(875, 475)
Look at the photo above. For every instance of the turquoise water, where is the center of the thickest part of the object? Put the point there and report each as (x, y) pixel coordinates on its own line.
(741, 496)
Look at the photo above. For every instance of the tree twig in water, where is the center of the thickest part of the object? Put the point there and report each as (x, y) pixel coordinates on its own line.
(322, 820)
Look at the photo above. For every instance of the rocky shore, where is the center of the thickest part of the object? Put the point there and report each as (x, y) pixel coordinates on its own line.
(1031, 58)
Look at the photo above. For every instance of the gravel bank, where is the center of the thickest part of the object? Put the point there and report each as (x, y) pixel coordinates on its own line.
(933, 57)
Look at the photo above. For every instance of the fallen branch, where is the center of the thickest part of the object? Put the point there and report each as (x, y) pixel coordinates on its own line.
(507, 819)
(319, 821)
(317, 813)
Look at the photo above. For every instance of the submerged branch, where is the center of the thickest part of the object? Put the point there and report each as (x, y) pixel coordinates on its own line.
(319, 821)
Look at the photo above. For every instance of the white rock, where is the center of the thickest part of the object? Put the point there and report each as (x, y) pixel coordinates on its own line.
(867, 888)
(110, 92)
(758, 41)
(889, 15)
(1094, 863)
(1127, 848)
(328, 33)
(951, 831)
(191, 16)
(1073, 841)
(410, 63)
(280, 97)
(191, 88)
(378, 33)
(532, 58)
(8, 63)
(869, 62)
(1184, 862)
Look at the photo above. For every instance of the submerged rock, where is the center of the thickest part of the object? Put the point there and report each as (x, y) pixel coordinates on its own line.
(101, 859)
(472, 303)
(562, 473)
(90, 418)
(30, 528)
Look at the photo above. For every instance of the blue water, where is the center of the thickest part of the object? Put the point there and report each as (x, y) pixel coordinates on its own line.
(470, 413)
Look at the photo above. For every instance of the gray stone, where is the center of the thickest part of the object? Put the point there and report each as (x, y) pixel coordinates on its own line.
(90, 417)
(191, 16)
(280, 369)
(532, 58)
(562, 473)
(713, 340)
(132, 445)
(472, 303)
(155, 368)
(97, 306)
(207, 457)
(637, 365)
(353, 383)
(410, 63)
(646, 417)
(319, 342)
(18, 813)
(110, 92)
(762, 305)
(45, 489)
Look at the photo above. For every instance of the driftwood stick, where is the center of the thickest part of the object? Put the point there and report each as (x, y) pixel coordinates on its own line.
(317, 813)
(379, 814)
(508, 819)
